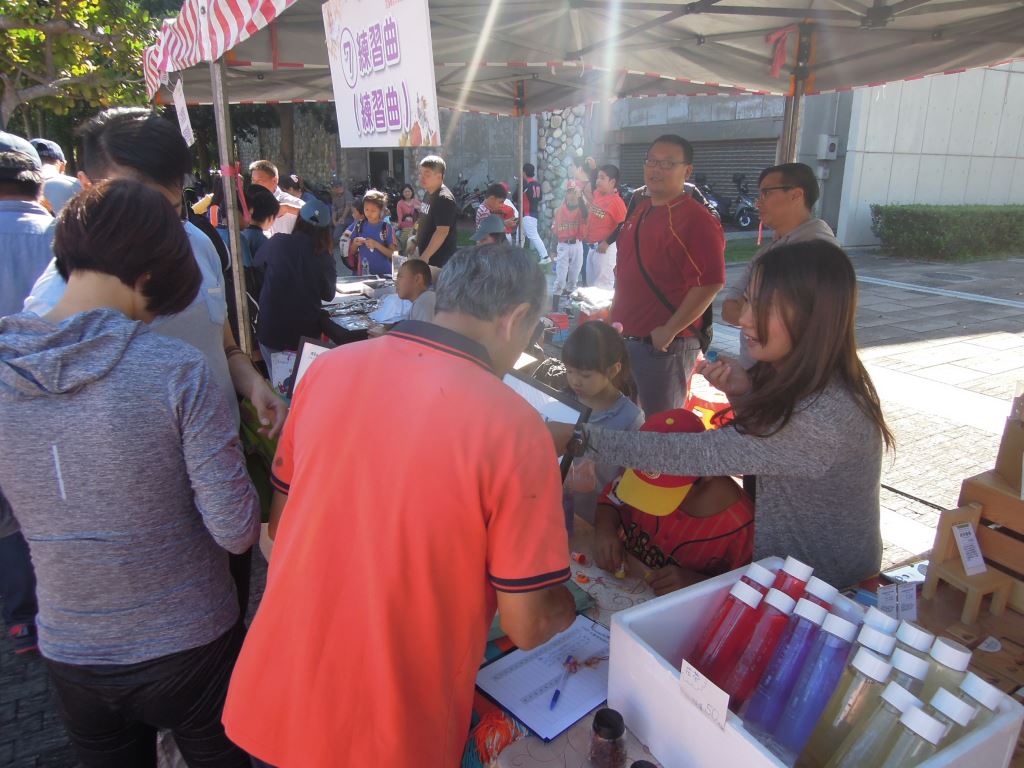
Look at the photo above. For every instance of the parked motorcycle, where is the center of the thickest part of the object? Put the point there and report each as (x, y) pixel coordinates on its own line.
(713, 200)
(744, 207)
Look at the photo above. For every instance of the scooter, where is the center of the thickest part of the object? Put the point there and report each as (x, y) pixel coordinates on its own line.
(744, 207)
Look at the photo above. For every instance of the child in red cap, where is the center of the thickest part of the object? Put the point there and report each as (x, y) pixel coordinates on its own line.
(685, 529)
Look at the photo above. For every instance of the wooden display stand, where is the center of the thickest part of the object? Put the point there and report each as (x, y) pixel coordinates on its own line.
(947, 566)
(1001, 532)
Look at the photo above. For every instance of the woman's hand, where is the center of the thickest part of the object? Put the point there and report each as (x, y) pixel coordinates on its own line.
(561, 434)
(726, 375)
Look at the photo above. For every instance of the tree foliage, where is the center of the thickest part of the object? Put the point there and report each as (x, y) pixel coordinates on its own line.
(58, 54)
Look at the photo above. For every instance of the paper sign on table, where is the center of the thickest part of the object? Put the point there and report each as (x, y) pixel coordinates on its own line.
(906, 598)
(887, 601)
(708, 697)
(970, 551)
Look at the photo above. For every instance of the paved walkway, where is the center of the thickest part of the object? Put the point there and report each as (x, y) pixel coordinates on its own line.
(944, 345)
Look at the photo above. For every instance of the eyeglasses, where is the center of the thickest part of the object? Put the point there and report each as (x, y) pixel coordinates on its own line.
(763, 192)
(665, 165)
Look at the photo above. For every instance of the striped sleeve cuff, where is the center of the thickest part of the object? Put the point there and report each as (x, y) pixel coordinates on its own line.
(279, 484)
(530, 583)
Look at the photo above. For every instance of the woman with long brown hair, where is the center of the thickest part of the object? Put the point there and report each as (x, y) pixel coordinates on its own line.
(807, 422)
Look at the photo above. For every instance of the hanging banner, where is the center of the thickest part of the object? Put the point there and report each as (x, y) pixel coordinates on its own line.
(382, 71)
(182, 109)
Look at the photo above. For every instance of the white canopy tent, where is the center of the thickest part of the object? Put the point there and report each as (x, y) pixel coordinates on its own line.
(528, 56)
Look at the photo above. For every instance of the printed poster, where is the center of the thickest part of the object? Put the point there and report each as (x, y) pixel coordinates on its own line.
(382, 71)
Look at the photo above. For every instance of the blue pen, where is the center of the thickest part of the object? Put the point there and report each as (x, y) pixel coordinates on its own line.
(561, 683)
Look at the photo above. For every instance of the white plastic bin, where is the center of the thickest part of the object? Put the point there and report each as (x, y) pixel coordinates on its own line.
(648, 644)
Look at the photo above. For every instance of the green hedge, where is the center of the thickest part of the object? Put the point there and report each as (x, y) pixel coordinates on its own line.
(949, 232)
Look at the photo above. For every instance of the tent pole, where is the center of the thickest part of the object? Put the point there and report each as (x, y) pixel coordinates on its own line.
(788, 144)
(225, 145)
(519, 110)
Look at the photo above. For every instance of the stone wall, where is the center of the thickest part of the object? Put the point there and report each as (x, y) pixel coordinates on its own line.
(317, 152)
(560, 138)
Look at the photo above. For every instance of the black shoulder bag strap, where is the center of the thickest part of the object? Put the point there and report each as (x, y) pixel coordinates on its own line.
(705, 332)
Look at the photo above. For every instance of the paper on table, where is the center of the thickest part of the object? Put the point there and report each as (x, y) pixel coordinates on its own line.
(523, 681)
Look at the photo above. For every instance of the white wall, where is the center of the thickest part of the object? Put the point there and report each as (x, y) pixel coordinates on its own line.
(944, 139)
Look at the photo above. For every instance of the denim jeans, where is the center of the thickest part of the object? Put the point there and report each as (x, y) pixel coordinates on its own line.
(17, 581)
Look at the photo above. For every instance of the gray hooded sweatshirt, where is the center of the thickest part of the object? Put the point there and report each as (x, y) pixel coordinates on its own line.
(123, 467)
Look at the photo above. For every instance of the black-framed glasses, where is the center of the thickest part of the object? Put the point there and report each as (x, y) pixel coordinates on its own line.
(665, 165)
(763, 192)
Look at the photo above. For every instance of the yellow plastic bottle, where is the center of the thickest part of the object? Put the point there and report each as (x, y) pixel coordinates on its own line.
(873, 737)
(947, 663)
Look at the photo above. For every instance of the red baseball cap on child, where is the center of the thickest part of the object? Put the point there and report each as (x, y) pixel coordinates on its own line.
(655, 493)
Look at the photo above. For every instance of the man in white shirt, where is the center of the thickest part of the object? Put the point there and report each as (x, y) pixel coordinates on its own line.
(58, 188)
(264, 174)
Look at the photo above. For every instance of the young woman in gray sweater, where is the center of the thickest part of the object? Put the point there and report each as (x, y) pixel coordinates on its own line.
(808, 422)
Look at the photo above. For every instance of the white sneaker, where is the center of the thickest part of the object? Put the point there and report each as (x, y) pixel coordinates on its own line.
(545, 260)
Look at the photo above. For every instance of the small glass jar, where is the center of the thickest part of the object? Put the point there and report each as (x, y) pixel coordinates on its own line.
(608, 741)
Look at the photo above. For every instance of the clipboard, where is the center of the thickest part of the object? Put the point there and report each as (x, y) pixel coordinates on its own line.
(309, 350)
(523, 682)
(551, 404)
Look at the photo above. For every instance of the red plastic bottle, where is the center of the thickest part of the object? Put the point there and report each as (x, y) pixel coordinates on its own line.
(792, 578)
(742, 677)
(759, 577)
(820, 592)
(727, 633)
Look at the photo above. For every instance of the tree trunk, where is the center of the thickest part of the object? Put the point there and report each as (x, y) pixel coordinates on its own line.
(286, 118)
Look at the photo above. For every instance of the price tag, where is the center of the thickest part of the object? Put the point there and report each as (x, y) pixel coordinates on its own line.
(906, 598)
(888, 601)
(708, 697)
(970, 552)
(182, 109)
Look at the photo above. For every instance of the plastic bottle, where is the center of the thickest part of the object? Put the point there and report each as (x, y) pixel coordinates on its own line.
(947, 663)
(872, 738)
(764, 708)
(875, 618)
(759, 577)
(875, 640)
(792, 577)
(725, 637)
(908, 670)
(912, 638)
(918, 739)
(980, 694)
(953, 712)
(773, 618)
(364, 266)
(608, 740)
(855, 697)
(820, 592)
(819, 677)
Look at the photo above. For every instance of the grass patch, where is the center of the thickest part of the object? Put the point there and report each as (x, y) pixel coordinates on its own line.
(740, 250)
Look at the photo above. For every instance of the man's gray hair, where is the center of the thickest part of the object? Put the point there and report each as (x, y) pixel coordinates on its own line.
(434, 163)
(488, 281)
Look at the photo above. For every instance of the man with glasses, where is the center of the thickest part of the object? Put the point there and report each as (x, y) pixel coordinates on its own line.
(786, 195)
(671, 264)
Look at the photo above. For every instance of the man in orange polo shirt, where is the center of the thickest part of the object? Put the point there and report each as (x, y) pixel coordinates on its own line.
(399, 529)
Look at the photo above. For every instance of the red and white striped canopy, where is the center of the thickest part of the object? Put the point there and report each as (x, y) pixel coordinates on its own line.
(575, 51)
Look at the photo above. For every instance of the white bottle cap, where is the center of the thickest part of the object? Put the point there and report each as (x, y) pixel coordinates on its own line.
(873, 666)
(780, 601)
(923, 724)
(796, 569)
(875, 618)
(746, 593)
(840, 627)
(810, 611)
(900, 697)
(876, 640)
(915, 637)
(981, 691)
(957, 710)
(760, 575)
(821, 589)
(951, 654)
(910, 664)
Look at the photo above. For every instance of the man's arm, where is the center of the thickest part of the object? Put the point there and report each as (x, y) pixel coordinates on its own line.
(270, 408)
(732, 306)
(532, 618)
(697, 300)
(440, 235)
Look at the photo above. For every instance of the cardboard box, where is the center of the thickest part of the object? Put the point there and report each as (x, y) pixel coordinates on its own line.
(648, 644)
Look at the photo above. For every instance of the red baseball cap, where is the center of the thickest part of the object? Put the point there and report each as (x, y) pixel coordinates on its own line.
(655, 493)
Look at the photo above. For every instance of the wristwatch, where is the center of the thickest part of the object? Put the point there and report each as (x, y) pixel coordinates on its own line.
(578, 443)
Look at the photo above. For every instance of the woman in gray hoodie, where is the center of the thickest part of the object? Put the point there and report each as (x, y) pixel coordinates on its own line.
(129, 485)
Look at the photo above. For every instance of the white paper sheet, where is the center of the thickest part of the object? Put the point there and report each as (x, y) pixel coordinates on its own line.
(523, 681)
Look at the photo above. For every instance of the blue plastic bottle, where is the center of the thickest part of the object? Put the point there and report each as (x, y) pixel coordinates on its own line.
(818, 679)
(763, 710)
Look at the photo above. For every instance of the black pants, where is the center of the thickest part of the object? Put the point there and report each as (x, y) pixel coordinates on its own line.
(112, 712)
(241, 573)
